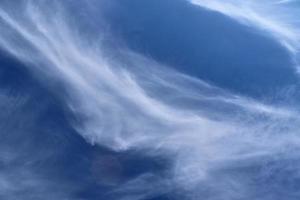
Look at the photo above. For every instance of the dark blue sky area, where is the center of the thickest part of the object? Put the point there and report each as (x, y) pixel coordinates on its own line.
(204, 44)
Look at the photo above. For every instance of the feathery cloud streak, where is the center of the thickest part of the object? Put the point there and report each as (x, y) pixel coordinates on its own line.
(133, 103)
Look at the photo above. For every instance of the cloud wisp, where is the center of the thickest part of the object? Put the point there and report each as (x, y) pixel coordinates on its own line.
(130, 102)
(276, 18)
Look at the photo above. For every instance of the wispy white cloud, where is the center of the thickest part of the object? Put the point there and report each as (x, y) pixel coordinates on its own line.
(145, 105)
(277, 18)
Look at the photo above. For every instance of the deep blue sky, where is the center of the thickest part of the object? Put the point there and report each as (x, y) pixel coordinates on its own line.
(204, 44)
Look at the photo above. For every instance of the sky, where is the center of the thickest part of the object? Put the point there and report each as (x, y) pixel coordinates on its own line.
(149, 99)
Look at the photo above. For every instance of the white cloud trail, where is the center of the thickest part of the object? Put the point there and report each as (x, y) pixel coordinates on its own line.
(141, 105)
(279, 19)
